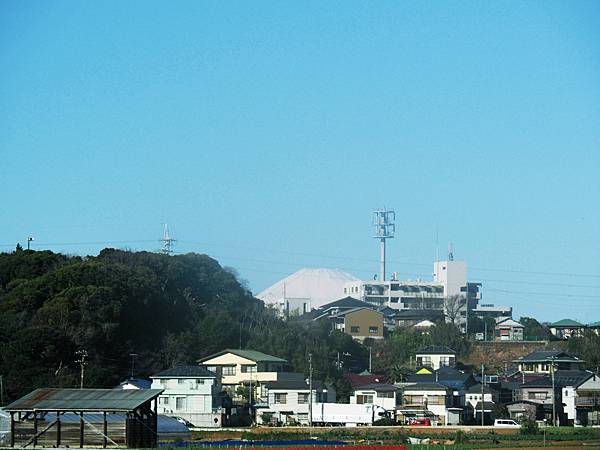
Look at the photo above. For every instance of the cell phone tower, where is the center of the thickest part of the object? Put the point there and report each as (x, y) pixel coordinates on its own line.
(167, 242)
(383, 220)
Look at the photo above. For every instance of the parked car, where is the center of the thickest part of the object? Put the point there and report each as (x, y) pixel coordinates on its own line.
(506, 423)
(420, 422)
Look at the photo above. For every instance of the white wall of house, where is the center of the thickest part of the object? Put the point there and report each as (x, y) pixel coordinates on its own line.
(386, 400)
(292, 405)
(193, 399)
(236, 369)
(435, 360)
(473, 398)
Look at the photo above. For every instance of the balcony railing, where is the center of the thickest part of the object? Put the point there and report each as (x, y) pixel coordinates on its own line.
(592, 402)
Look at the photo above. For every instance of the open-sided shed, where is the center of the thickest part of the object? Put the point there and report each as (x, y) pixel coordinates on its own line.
(36, 418)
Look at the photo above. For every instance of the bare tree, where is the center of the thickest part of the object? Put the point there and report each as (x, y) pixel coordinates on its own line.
(453, 306)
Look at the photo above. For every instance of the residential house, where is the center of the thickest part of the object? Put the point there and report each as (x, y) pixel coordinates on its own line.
(475, 401)
(555, 391)
(359, 323)
(246, 369)
(436, 356)
(190, 392)
(540, 362)
(489, 310)
(409, 317)
(135, 383)
(380, 394)
(507, 329)
(431, 400)
(566, 329)
(595, 327)
(288, 401)
(581, 399)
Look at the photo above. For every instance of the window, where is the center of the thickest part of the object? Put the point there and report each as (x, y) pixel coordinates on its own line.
(180, 381)
(373, 330)
(355, 329)
(424, 361)
(385, 395)
(344, 290)
(248, 368)
(180, 403)
(538, 395)
(446, 360)
(228, 370)
(163, 400)
(280, 398)
(200, 381)
(302, 399)
(364, 399)
(212, 369)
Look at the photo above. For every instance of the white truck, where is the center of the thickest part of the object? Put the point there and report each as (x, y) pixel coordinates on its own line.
(349, 415)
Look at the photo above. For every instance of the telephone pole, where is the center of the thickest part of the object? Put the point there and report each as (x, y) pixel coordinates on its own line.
(133, 356)
(553, 394)
(310, 390)
(82, 363)
(482, 397)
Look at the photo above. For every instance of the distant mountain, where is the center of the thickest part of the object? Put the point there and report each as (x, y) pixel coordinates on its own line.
(320, 285)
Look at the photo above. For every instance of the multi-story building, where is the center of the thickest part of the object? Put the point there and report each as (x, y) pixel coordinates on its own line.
(448, 291)
(246, 369)
(495, 312)
(190, 392)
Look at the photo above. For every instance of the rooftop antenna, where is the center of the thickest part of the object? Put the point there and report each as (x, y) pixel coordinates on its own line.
(167, 242)
(450, 252)
(383, 221)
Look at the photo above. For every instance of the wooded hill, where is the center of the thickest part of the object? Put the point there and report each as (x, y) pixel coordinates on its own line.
(166, 309)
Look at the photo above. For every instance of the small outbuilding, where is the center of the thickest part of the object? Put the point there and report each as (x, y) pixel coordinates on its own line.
(36, 419)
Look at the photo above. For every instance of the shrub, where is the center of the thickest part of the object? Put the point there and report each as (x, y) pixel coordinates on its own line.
(529, 426)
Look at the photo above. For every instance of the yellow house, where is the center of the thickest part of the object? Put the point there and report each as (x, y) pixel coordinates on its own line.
(245, 368)
(360, 323)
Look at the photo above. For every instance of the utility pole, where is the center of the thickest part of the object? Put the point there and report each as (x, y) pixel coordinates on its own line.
(250, 397)
(310, 390)
(133, 356)
(1, 390)
(482, 397)
(370, 359)
(553, 394)
(82, 363)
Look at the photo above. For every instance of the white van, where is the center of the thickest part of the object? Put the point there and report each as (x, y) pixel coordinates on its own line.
(506, 423)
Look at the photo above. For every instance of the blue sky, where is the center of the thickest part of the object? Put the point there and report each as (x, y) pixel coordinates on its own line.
(265, 133)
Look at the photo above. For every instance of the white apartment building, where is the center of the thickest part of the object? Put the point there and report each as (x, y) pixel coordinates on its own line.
(449, 280)
(190, 392)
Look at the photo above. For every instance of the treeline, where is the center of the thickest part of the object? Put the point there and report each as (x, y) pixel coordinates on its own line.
(166, 309)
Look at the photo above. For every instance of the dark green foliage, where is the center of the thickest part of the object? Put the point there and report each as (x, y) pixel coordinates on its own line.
(586, 347)
(529, 427)
(167, 309)
(533, 330)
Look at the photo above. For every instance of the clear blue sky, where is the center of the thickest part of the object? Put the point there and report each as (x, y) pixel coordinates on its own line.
(265, 133)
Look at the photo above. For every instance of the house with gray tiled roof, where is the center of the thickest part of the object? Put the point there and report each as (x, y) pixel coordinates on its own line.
(541, 362)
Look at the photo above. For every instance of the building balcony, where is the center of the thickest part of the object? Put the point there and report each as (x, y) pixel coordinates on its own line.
(587, 402)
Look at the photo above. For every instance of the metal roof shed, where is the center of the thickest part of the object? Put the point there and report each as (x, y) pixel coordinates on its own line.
(138, 429)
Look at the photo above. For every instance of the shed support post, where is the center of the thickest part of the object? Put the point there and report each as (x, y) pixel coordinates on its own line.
(81, 430)
(105, 441)
(35, 428)
(12, 429)
(58, 429)
(156, 422)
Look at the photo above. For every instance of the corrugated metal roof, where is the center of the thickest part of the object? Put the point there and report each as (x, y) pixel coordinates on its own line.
(50, 399)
